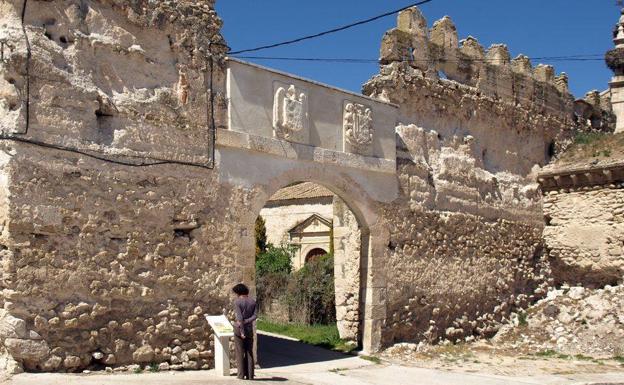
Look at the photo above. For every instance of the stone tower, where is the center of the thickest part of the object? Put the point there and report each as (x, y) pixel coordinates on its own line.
(615, 61)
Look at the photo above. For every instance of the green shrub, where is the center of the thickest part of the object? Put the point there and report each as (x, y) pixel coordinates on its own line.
(275, 260)
(273, 269)
(522, 319)
(311, 295)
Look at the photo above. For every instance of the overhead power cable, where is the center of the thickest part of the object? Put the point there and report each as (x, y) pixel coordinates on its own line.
(333, 30)
(589, 57)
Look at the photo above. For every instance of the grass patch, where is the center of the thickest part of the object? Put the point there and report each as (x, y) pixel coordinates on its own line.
(592, 146)
(554, 354)
(619, 359)
(325, 336)
(153, 367)
(522, 319)
(138, 370)
(373, 359)
(588, 137)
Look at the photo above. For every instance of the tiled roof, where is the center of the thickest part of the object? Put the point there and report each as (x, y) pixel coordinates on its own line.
(305, 190)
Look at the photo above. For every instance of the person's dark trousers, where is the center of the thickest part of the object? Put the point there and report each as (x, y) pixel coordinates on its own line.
(244, 357)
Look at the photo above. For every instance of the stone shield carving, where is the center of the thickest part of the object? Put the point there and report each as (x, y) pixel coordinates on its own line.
(358, 125)
(290, 112)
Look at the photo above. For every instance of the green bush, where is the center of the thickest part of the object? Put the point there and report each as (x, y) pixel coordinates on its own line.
(273, 269)
(274, 260)
(311, 295)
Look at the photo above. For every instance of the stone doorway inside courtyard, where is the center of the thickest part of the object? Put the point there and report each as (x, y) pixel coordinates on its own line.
(308, 267)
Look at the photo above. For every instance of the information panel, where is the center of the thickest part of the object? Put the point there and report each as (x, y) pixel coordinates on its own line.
(221, 325)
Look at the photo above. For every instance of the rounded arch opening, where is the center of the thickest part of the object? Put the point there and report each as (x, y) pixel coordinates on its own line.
(311, 220)
(314, 254)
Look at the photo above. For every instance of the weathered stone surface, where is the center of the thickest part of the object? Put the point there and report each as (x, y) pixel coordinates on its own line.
(27, 352)
(143, 354)
(584, 235)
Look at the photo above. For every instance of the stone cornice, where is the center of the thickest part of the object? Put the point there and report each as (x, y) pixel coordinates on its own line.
(582, 176)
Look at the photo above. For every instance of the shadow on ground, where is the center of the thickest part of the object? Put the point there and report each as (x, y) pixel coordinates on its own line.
(277, 352)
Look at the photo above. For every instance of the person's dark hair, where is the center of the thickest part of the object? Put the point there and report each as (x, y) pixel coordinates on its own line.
(241, 289)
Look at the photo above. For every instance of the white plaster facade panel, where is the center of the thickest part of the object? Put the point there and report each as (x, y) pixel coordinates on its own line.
(253, 92)
(358, 128)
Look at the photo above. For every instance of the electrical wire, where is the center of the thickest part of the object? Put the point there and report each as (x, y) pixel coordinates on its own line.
(154, 162)
(331, 31)
(212, 126)
(590, 57)
(28, 56)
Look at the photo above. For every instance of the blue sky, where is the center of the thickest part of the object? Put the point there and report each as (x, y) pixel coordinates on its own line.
(535, 28)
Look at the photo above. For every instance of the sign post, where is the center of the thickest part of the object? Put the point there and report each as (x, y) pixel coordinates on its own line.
(223, 330)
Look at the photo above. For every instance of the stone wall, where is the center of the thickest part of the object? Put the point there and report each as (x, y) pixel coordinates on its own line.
(126, 78)
(106, 264)
(466, 232)
(465, 245)
(585, 234)
(115, 266)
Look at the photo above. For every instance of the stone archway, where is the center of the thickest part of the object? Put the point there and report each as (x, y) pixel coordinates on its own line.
(370, 294)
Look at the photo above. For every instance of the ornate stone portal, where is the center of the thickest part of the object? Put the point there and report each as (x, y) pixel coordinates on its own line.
(290, 114)
(358, 128)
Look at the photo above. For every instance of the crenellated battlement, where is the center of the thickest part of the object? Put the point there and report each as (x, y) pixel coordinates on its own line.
(438, 51)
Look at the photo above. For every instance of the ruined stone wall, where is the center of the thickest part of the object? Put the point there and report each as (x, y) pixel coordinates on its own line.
(465, 244)
(466, 232)
(585, 234)
(105, 264)
(518, 115)
(126, 78)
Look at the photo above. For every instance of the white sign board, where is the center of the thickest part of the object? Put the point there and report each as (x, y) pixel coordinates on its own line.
(221, 325)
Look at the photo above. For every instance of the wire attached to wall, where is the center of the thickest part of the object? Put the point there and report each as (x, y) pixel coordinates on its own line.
(154, 162)
(212, 126)
(333, 30)
(28, 56)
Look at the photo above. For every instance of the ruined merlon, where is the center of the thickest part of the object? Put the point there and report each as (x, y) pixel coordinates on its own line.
(544, 73)
(412, 21)
(444, 34)
(498, 55)
(471, 48)
(522, 65)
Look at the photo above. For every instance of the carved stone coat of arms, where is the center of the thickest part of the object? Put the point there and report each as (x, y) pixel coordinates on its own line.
(358, 125)
(290, 112)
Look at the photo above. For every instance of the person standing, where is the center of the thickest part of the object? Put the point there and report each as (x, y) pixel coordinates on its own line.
(246, 312)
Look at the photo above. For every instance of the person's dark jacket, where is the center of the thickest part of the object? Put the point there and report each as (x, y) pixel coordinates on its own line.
(246, 312)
